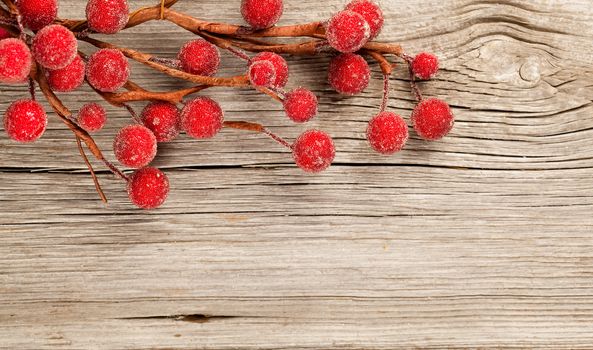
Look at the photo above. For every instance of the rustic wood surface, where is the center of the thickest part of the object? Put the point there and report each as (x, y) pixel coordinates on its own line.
(484, 239)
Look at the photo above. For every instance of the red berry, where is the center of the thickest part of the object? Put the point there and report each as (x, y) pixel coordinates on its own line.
(313, 151)
(107, 70)
(148, 188)
(91, 117)
(349, 73)
(15, 61)
(387, 132)
(261, 14)
(163, 119)
(432, 119)
(280, 67)
(300, 105)
(425, 65)
(262, 73)
(4, 33)
(199, 57)
(107, 16)
(201, 118)
(25, 120)
(347, 31)
(54, 47)
(36, 14)
(135, 146)
(371, 12)
(68, 78)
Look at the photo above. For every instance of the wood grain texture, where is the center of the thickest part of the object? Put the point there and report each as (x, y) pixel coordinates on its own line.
(481, 240)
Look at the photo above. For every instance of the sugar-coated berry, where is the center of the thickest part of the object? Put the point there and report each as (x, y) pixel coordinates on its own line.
(135, 146)
(15, 61)
(68, 78)
(387, 133)
(107, 16)
(313, 151)
(432, 119)
(4, 33)
(261, 14)
(300, 105)
(148, 188)
(425, 65)
(347, 31)
(107, 70)
(201, 118)
(262, 74)
(163, 119)
(371, 12)
(25, 120)
(280, 67)
(349, 73)
(199, 57)
(54, 46)
(36, 14)
(91, 117)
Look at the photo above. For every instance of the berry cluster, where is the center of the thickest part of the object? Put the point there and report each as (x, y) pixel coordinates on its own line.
(37, 47)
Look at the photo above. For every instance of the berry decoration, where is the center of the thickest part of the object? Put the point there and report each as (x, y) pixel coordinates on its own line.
(199, 57)
(349, 73)
(432, 119)
(91, 117)
(371, 12)
(148, 188)
(279, 64)
(36, 14)
(107, 16)
(300, 105)
(107, 70)
(425, 65)
(163, 119)
(347, 31)
(201, 118)
(313, 151)
(262, 74)
(387, 133)
(68, 78)
(261, 14)
(135, 146)
(25, 120)
(15, 61)
(54, 47)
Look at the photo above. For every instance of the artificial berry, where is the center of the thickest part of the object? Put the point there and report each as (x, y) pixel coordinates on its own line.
(349, 73)
(371, 12)
(387, 132)
(54, 47)
(347, 31)
(15, 61)
(432, 119)
(91, 117)
(261, 14)
(148, 188)
(36, 14)
(262, 74)
(280, 67)
(201, 118)
(107, 16)
(313, 151)
(199, 57)
(25, 120)
(425, 65)
(107, 70)
(135, 146)
(4, 33)
(163, 119)
(68, 78)
(300, 105)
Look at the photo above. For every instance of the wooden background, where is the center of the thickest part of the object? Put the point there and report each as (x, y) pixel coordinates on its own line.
(484, 239)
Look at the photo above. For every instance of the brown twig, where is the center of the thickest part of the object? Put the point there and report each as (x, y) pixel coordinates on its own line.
(91, 170)
(255, 127)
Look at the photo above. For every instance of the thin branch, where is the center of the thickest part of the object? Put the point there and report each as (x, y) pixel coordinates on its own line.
(91, 170)
(255, 127)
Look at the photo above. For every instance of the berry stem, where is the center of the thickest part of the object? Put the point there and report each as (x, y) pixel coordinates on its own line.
(173, 63)
(32, 88)
(255, 127)
(91, 170)
(415, 90)
(385, 93)
(387, 69)
(132, 113)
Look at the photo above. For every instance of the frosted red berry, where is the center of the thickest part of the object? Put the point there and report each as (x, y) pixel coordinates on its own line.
(371, 12)
(199, 57)
(25, 120)
(262, 74)
(91, 117)
(347, 31)
(313, 151)
(280, 67)
(135, 146)
(107, 70)
(36, 14)
(107, 16)
(15, 61)
(300, 105)
(54, 46)
(425, 65)
(148, 188)
(4, 33)
(163, 119)
(432, 119)
(201, 118)
(68, 78)
(349, 73)
(387, 133)
(261, 14)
